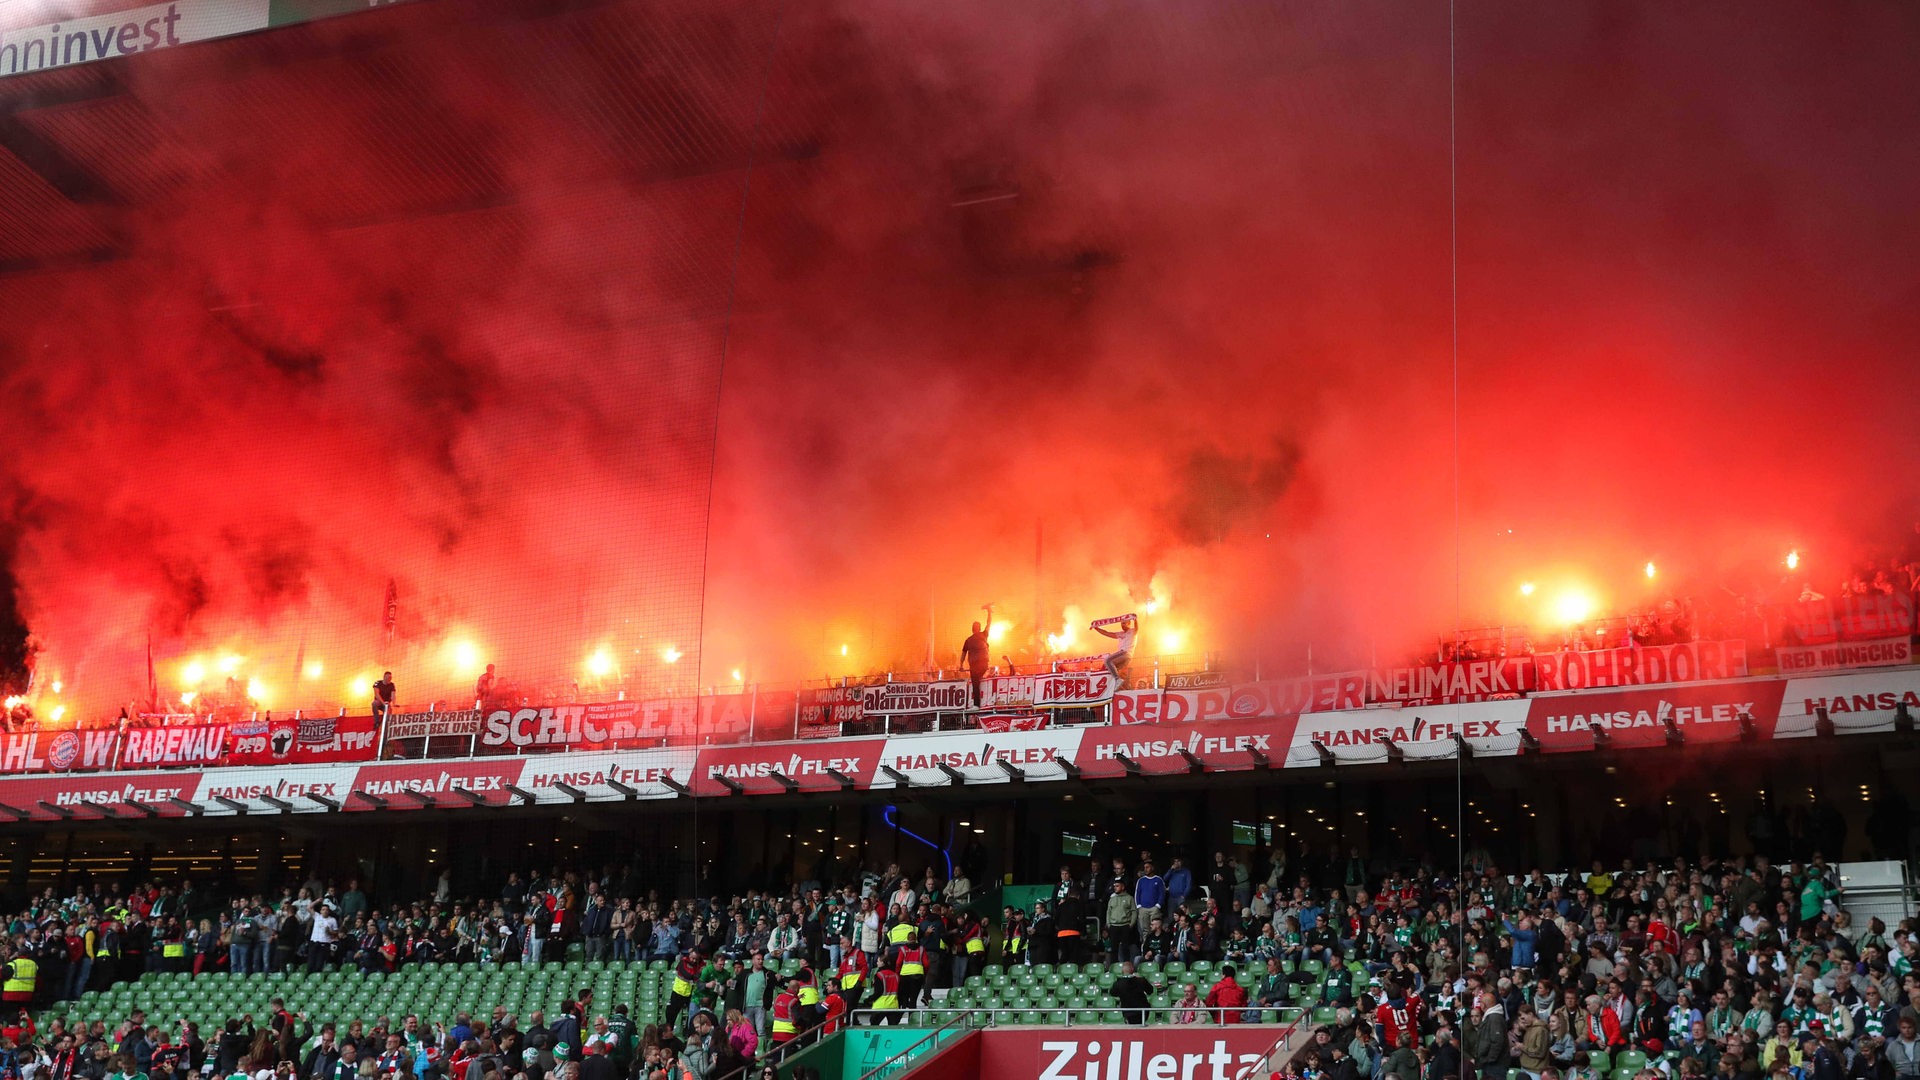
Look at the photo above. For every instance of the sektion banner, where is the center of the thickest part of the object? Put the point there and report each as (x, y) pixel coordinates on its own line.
(906, 699)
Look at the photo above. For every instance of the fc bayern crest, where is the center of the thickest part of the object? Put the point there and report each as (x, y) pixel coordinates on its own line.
(65, 750)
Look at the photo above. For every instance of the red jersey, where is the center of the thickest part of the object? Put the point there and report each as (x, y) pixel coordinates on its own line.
(1395, 1018)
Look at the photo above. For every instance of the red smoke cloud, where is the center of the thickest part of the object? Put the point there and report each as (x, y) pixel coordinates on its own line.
(445, 303)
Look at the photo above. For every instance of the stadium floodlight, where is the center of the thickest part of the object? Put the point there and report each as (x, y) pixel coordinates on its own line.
(234, 805)
(1326, 756)
(577, 794)
(426, 801)
(57, 811)
(626, 792)
(1464, 748)
(150, 811)
(1675, 737)
(677, 787)
(959, 778)
(785, 781)
(1259, 759)
(845, 781)
(527, 797)
(374, 801)
(899, 778)
(1127, 763)
(281, 805)
(1822, 723)
(1529, 743)
(729, 783)
(1749, 731)
(17, 813)
(1902, 718)
(325, 803)
(1013, 771)
(1395, 755)
(473, 797)
(1600, 736)
(1068, 767)
(192, 808)
(1194, 764)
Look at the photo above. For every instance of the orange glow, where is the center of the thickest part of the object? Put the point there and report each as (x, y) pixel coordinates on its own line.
(58, 686)
(1171, 640)
(314, 669)
(464, 657)
(998, 632)
(58, 712)
(1650, 570)
(1526, 588)
(187, 698)
(672, 655)
(193, 674)
(843, 650)
(256, 691)
(1793, 559)
(1574, 606)
(600, 664)
(230, 663)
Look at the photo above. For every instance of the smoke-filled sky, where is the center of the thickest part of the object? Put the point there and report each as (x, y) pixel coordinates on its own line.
(1157, 293)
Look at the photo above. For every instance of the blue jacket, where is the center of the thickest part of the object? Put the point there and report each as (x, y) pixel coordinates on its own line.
(1180, 883)
(1149, 891)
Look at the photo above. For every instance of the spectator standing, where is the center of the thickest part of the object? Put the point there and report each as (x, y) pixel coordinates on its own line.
(383, 692)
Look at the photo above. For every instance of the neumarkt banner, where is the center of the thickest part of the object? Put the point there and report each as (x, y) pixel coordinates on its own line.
(107, 29)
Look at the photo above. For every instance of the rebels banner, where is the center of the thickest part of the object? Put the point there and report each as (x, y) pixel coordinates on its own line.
(910, 698)
(56, 751)
(1845, 654)
(423, 725)
(1065, 689)
(311, 741)
(1471, 680)
(1693, 661)
(194, 744)
(1639, 718)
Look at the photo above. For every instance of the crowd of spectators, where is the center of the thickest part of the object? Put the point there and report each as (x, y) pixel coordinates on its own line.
(1736, 969)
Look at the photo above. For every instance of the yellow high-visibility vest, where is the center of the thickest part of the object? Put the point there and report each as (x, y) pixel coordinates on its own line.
(22, 977)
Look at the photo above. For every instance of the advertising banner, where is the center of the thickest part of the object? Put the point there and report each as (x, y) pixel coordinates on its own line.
(808, 764)
(57, 751)
(102, 790)
(646, 773)
(1186, 1052)
(905, 699)
(1856, 704)
(1471, 680)
(190, 744)
(435, 779)
(979, 755)
(1157, 747)
(1692, 661)
(305, 741)
(1638, 718)
(424, 725)
(1493, 727)
(1883, 652)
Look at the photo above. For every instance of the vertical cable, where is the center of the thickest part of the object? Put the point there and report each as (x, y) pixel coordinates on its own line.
(719, 384)
(1453, 261)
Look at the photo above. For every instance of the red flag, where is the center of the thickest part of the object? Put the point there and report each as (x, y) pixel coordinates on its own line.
(391, 618)
(153, 681)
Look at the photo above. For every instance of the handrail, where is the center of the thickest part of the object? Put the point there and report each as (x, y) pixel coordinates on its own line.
(1279, 1044)
(907, 1054)
(993, 1012)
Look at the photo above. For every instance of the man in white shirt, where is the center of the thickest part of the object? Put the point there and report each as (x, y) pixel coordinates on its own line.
(1118, 658)
(320, 938)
